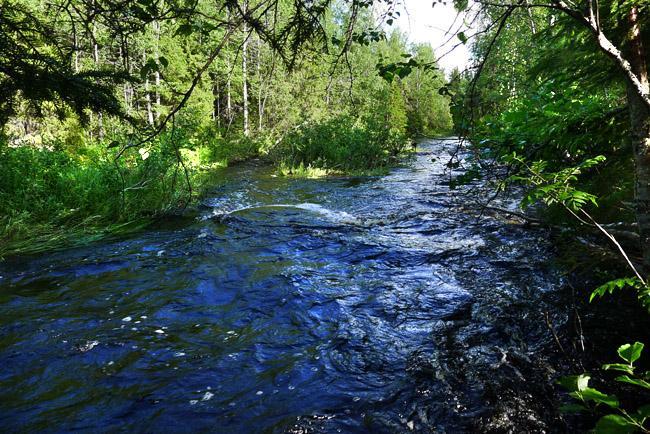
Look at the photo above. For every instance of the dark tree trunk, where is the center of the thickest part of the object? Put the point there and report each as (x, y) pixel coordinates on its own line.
(640, 135)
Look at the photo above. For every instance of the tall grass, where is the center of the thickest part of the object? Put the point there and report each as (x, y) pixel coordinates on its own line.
(53, 197)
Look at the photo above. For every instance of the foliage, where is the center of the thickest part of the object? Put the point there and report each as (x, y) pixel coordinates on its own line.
(621, 420)
(339, 144)
(553, 187)
(33, 70)
(626, 282)
(46, 194)
(106, 105)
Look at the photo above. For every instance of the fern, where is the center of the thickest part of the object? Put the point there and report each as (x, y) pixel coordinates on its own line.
(643, 292)
(616, 285)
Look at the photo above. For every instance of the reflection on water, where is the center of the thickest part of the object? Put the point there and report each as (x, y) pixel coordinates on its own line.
(333, 305)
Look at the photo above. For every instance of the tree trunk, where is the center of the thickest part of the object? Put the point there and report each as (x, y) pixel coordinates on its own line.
(100, 115)
(228, 92)
(217, 102)
(533, 28)
(244, 65)
(640, 134)
(76, 52)
(156, 28)
(147, 94)
(126, 65)
(260, 87)
(147, 98)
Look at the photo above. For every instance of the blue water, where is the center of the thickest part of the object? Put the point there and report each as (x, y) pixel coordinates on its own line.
(329, 305)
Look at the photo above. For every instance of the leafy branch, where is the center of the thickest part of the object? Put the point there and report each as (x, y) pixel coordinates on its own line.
(557, 188)
(590, 399)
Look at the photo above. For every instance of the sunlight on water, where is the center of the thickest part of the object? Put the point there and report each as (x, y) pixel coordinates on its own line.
(322, 305)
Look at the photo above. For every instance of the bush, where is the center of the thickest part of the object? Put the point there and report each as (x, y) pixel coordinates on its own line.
(214, 148)
(339, 144)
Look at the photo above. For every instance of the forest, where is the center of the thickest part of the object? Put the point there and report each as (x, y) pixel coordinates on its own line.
(287, 216)
(111, 117)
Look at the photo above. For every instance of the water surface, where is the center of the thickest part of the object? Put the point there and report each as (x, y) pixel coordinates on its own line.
(330, 305)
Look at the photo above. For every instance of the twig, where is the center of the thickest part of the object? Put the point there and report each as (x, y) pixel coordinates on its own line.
(552, 330)
(513, 213)
(617, 244)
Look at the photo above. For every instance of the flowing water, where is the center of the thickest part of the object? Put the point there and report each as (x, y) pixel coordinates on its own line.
(370, 304)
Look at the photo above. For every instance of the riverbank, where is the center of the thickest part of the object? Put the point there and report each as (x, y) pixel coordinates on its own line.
(77, 203)
(51, 199)
(581, 337)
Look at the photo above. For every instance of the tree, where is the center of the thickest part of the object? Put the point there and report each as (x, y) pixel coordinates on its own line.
(619, 29)
(35, 64)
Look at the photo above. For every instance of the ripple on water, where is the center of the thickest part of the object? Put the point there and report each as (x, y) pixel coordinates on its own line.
(307, 306)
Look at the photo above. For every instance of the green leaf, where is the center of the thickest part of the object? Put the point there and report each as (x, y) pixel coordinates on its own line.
(634, 381)
(574, 383)
(444, 90)
(163, 61)
(630, 352)
(599, 397)
(461, 5)
(582, 381)
(462, 37)
(149, 67)
(113, 144)
(404, 71)
(614, 424)
(619, 367)
(614, 285)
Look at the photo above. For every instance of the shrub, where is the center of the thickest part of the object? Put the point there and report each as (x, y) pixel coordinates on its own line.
(339, 144)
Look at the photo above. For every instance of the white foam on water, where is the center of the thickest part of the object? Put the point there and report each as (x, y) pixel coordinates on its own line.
(88, 346)
(337, 216)
(332, 215)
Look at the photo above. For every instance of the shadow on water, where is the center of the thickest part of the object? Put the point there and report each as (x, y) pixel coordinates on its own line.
(334, 305)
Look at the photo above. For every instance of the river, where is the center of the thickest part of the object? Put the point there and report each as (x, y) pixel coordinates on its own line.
(366, 304)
